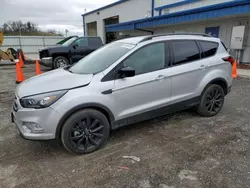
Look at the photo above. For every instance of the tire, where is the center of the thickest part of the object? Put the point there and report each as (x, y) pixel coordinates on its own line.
(85, 131)
(212, 101)
(60, 62)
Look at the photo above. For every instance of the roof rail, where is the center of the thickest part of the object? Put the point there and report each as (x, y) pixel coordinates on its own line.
(168, 34)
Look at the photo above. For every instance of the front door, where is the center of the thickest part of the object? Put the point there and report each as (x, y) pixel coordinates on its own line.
(80, 49)
(150, 88)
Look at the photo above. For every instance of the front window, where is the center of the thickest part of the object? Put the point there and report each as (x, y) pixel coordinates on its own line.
(147, 59)
(69, 42)
(101, 59)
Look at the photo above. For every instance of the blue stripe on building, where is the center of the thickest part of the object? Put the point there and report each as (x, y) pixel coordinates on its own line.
(231, 8)
(153, 8)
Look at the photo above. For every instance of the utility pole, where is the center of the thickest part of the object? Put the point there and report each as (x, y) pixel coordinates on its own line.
(66, 32)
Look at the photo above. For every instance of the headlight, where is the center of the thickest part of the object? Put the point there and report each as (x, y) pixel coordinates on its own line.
(41, 100)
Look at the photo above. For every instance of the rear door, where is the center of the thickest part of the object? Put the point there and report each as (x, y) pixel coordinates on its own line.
(80, 49)
(187, 69)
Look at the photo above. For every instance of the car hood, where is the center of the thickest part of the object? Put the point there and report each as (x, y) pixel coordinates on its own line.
(59, 79)
(52, 47)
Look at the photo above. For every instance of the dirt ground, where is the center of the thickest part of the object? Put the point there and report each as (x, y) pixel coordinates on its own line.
(182, 150)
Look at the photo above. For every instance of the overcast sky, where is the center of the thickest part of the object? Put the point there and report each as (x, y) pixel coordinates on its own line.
(50, 14)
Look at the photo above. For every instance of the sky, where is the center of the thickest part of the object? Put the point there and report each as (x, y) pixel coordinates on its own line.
(50, 14)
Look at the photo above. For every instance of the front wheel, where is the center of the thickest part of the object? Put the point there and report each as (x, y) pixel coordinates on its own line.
(212, 101)
(60, 62)
(85, 131)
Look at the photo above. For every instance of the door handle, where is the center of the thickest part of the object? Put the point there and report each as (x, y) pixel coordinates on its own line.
(160, 77)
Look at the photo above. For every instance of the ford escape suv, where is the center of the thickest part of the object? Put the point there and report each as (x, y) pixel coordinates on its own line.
(124, 82)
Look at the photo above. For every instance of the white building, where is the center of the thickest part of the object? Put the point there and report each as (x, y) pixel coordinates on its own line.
(144, 17)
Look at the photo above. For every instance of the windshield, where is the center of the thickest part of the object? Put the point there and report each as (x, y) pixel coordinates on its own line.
(68, 42)
(101, 59)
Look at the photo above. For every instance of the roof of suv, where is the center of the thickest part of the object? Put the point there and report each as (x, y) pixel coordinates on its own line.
(196, 36)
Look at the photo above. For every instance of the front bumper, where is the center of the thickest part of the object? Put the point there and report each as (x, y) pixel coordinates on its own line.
(46, 61)
(46, 118)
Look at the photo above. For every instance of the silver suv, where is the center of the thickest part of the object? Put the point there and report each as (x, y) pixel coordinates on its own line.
(124, 82)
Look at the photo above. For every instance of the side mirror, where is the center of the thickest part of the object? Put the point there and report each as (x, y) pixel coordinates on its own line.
(75, 45)
(126, 72)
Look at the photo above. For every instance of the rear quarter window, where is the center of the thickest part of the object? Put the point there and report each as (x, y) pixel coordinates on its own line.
(209, 48)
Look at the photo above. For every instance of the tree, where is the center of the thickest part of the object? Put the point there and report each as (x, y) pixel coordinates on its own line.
(16, 26)
(6, 28)
(25, 28)
(31, 27)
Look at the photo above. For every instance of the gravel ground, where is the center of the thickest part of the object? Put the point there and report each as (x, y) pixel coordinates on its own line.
(182, 150)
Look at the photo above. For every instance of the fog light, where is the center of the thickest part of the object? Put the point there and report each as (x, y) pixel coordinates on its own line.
(32, 127)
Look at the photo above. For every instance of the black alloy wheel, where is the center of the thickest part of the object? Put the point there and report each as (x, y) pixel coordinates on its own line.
(85, 131)
(212, 101)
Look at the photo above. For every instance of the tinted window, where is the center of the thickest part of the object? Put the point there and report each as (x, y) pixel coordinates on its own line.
(101, 59)
(82, 42)
(147, 59)
(95, 42)
(185, 51)
(209, 48)
(70, 41)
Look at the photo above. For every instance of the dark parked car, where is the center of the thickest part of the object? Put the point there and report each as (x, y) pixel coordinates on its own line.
(69, 52)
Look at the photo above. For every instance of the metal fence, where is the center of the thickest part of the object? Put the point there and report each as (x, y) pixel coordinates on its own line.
(29, 44)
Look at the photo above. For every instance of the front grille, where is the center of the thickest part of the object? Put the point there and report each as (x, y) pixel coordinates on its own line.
(43, 53)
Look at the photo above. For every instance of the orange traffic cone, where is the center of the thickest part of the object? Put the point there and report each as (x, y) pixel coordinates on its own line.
(19, 74)
(234, 70)
(20, 60)
(38, 70)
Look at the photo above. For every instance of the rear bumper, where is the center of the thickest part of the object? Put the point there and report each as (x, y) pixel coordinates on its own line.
(46, 61)
(229, 90)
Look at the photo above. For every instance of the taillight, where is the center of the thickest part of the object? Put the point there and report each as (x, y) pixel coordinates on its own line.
(229, 59)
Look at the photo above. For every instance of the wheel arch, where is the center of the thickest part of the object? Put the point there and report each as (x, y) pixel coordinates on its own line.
(55, 55)
(109, 115)
(218, 81)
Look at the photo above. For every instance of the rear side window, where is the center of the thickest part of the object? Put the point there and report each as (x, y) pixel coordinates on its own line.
(95, 42)
(185, 51)
(208, 48)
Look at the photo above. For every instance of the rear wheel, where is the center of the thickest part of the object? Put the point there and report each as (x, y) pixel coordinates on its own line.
(85, 131)
(60, 62)
(212, 101)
